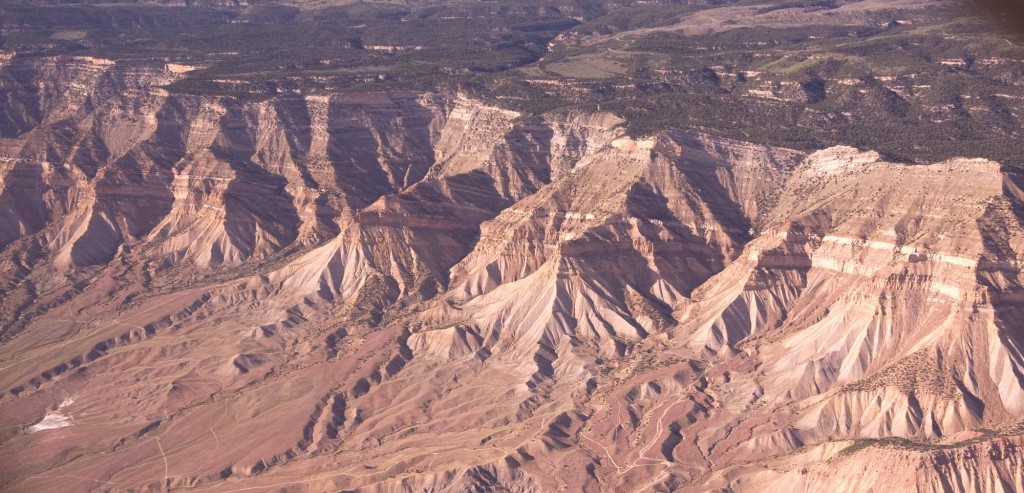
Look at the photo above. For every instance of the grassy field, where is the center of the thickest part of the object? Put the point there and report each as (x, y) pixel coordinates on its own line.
(589, 66)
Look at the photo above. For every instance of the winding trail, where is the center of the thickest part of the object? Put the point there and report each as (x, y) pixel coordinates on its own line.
(618, 468)
(216, 439)
(660, 427)
(166, 466)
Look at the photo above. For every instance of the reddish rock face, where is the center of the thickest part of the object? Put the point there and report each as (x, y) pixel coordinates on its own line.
(424, 292)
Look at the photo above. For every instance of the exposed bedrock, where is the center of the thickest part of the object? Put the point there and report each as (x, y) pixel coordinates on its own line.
(423, 292)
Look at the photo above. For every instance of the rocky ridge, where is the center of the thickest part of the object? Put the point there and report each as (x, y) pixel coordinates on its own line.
(414, 292)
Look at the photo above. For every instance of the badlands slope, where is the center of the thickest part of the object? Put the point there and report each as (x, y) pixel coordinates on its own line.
(421, 292)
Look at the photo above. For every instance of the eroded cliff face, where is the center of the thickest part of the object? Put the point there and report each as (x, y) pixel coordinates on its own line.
(422, 292)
